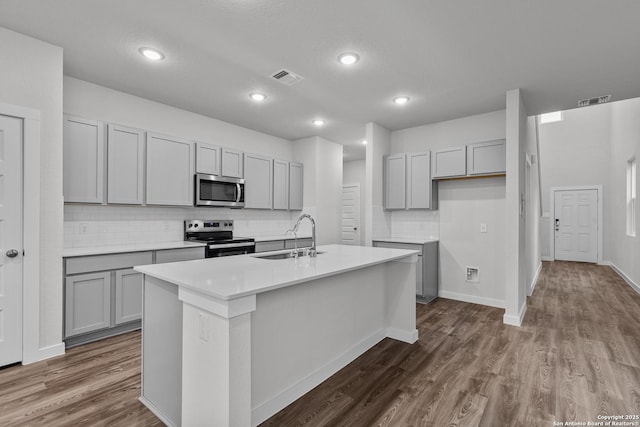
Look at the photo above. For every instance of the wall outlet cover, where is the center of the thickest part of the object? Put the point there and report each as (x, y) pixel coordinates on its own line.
(473, 274)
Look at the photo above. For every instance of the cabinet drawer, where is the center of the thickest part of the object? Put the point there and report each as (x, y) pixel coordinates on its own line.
(88, 264)
(273, 245)
(394, 245)
(302, 243)
(175, 255)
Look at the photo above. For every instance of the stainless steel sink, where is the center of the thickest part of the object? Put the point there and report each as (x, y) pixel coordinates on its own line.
(284, 255)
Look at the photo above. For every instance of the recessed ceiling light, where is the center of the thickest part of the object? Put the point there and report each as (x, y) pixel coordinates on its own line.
(348, 58)
(401, 100)
(364, 142)
(258, 96)
(150, 53)
(318, 122)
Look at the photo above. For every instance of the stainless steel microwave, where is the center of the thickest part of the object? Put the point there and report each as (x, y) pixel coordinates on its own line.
(215, 191)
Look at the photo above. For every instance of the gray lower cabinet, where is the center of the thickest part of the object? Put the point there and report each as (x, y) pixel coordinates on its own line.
(426, 268)
(128, 293)
(88, 303)
(103, 293)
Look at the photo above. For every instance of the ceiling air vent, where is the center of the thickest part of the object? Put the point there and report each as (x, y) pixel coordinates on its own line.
(287, 77)
(594, 101)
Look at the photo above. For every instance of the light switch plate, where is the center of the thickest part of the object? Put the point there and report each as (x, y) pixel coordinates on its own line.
(483, 228)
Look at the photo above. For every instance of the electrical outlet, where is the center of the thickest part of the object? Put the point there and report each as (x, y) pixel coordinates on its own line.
(204, 327)
(473, 274)
(84, 227)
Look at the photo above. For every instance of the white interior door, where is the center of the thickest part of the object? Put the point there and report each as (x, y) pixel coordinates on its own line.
(350, 215)
(576, 225)
(10, 240)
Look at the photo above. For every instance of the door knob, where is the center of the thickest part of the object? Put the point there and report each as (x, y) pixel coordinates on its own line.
(355, 228)
(12, 253)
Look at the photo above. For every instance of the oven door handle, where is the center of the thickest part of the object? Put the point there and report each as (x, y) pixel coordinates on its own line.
(231, 245)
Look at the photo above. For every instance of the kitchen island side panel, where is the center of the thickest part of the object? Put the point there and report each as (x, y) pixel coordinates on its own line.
(162, 350)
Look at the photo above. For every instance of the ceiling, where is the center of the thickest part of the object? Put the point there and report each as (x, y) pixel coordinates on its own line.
(452, 58)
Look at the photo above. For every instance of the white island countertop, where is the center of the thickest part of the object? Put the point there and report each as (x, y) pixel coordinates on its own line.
(228, 278)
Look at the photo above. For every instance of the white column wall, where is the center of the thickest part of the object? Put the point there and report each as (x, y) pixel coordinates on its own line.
(32, 78)
(515, 291)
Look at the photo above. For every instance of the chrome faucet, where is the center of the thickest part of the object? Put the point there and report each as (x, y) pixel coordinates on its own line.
(312, 252)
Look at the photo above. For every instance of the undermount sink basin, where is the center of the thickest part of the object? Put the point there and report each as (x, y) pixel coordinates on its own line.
(284, 255)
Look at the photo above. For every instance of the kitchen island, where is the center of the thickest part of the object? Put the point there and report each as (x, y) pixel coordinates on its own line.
(231, 341)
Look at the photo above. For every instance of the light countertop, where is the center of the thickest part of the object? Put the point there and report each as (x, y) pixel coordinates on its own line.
(410, 240)
(272, 237)
(132, 247)
(233, 277)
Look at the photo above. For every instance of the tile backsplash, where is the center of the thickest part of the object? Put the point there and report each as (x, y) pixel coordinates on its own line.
(115, 225)
(415, 223)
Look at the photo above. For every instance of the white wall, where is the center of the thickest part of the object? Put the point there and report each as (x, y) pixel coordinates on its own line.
(98, 102)
(377, 220)
(623, 251)
(532, 206)
(463, 206)
(322, 186)
(482, 127)
(106, 225)
(515, 261)
(354, 172)
(574, 152)
(32, 77)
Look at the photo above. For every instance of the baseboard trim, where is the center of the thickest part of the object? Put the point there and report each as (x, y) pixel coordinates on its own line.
(491, 302)
(626, 278)
(158, 413)
(508, 319)
(265, 410)
(401, 335)
(546, 258)
(44, 353)
(534, 281)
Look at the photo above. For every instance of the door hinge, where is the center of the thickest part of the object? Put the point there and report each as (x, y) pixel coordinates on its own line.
(23, 252)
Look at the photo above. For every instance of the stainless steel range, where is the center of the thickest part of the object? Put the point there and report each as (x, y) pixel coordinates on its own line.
(218, 235)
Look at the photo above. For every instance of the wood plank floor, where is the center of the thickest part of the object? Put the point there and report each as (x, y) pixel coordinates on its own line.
(576, 356)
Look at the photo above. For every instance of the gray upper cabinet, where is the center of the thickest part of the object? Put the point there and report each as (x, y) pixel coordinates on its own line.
(125, 165)
(232, 163)
(258, 176)
(484, 158)
(449, 162)
(207, 158)
(395, 181)
(422, 192)
(408, 184)
(280, 185)
(296, 176)
(84, 154)
(170, 170)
